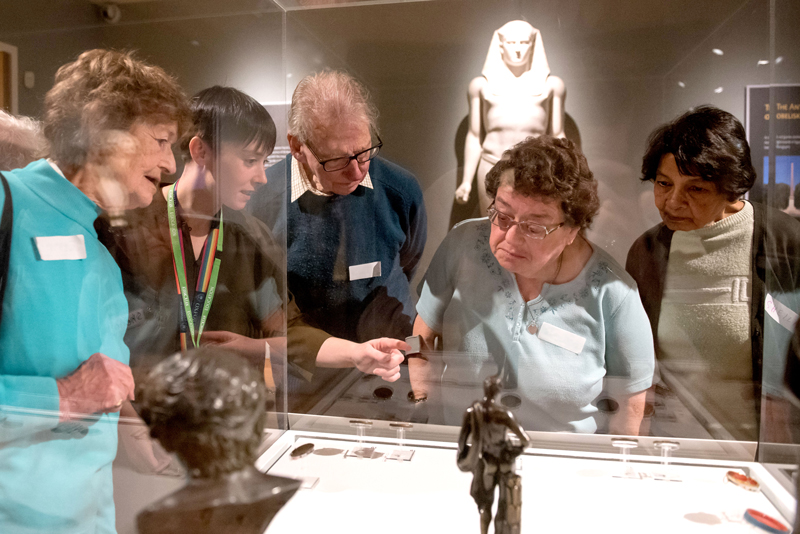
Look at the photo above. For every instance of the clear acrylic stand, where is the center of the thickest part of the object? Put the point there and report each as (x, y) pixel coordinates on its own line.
(298, 454)
(360, 450)
(665, 471)
(626, 444)
(401, 454)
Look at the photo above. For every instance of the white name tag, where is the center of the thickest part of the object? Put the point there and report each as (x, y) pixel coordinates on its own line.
(561, 338)
(365, 270)
(780, 313)
(61, 247)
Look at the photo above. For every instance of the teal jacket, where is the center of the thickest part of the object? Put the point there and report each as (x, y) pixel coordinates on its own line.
(55, 477)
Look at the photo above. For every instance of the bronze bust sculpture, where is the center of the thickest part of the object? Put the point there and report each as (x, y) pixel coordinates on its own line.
(208, 407)
(485, 449)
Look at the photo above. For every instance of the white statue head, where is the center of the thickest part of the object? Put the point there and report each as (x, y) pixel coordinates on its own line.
(516, 43)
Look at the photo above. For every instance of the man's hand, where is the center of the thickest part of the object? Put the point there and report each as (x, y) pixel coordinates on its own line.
(380, 357)
(99, 385)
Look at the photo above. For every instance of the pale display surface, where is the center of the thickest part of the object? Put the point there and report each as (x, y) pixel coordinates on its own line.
(562, 491)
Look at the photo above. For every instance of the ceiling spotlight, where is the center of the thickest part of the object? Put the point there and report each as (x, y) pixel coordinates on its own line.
(778, 59)
(763, 62)
(718, 90)
(718, 52)
(681, 84)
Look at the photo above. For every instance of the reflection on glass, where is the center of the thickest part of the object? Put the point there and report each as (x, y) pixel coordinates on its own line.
(354, 232)
(715, 278)
(562, 321)
(110, 120)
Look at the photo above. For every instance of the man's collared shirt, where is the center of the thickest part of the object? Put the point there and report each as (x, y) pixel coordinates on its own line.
(301, 182)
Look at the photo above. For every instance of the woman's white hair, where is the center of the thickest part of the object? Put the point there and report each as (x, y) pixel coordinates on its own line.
(21, 141)
(327, 98)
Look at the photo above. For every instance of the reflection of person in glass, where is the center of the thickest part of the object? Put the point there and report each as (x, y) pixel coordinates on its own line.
(719, 274)
(110, 121)
(793, 385)
(354, 223)
(485, 450)
(21, 141)
(528, 289)
(514, 98)
(222, 253)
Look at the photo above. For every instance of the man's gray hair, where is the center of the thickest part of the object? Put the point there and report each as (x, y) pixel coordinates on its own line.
(21, 141)
(329, 97)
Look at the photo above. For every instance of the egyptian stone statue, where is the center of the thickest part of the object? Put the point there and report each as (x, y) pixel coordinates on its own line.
(208, 407)
(514, 98)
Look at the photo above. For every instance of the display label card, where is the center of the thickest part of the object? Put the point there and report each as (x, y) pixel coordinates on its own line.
(61, 247)
(561, 338)
(780, 313)
(365, 270)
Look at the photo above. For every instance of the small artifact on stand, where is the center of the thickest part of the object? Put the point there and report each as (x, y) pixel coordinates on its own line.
(208, 407)
(485, 449)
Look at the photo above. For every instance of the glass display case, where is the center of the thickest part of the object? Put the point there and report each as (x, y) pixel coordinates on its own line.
(384, 452)
(682, 489)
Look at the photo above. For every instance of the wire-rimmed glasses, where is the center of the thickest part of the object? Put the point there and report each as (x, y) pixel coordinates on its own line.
(529, 229)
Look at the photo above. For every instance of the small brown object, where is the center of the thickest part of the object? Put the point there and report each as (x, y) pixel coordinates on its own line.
(742, 481)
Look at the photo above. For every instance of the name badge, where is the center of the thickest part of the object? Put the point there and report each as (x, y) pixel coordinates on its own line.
(365, 270)
(61, 247)
(561, 338)
(781, 313)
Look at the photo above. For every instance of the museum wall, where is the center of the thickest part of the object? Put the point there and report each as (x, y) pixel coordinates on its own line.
(237, 43)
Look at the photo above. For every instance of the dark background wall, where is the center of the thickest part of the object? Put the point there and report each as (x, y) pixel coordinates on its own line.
(628, 65)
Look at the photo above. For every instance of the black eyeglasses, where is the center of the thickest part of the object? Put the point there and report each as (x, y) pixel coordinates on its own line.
(337, 164)
(529, 229)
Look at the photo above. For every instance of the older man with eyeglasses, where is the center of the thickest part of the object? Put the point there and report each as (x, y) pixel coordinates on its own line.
(354, 223)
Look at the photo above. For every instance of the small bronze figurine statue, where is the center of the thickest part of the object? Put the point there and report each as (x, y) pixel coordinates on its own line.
(208, 406)
(485, 449)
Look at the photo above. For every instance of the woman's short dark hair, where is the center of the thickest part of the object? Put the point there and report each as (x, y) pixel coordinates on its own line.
(227, 115)
(706, 142)
(553, 168)
(107, 90)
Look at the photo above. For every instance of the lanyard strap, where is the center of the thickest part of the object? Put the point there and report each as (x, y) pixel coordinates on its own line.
(206, 283)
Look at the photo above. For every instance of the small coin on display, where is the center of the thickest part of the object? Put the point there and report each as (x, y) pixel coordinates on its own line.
(302, 451)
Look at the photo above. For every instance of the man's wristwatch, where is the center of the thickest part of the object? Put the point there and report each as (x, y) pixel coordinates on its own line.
(414, 399)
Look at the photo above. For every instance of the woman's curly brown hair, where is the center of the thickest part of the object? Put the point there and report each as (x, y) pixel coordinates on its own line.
(553, 168)
(106, 90)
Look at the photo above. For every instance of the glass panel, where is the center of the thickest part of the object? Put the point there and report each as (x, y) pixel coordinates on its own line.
(687, 347)
(58, 470)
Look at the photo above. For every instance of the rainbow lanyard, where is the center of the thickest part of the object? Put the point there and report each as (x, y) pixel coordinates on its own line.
(206, 281)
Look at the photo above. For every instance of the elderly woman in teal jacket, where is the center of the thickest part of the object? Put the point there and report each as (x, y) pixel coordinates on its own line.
(110, 121)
